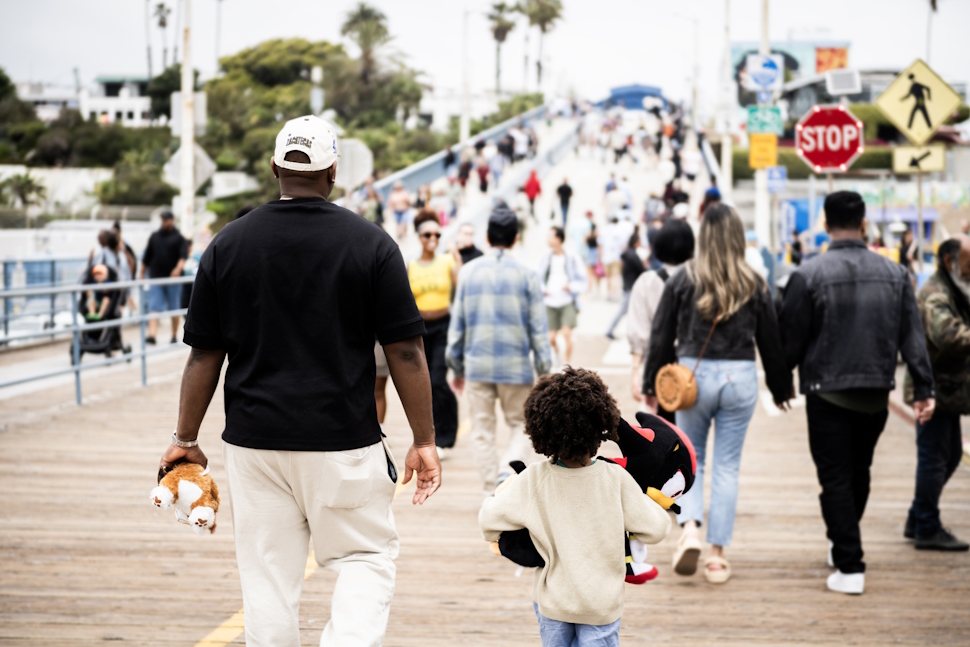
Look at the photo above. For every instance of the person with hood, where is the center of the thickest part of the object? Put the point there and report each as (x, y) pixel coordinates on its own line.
(532, 189)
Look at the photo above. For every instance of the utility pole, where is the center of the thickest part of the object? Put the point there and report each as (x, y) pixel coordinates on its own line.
(218, 31)
(697, 67)
(762, 202)
(187, 184)
(727, 161)
(464, 123)
(148, 35)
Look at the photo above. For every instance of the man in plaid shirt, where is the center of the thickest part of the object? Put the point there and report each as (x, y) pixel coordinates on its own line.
(498, 319)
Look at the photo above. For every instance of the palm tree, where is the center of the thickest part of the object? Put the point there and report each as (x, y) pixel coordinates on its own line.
(520, 8)
(162, 12)
(542, 14)
(501, 26)
(23, 189)
(366, 26)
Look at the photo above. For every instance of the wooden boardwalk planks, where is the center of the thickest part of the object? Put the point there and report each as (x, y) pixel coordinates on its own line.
(85, 559)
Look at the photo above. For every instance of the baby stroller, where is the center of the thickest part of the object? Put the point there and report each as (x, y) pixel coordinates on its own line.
(100, 340)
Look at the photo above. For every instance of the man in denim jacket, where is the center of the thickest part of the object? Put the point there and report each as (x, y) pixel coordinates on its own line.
(846, 316)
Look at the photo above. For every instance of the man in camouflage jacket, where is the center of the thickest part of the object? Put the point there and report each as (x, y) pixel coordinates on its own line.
(944, 303)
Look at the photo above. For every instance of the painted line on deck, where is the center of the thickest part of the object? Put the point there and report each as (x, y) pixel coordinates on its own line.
(234, 625)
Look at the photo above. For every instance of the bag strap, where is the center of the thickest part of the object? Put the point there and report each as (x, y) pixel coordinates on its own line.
(704, 348)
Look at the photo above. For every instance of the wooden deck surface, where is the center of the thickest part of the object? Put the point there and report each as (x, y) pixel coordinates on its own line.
(84, 558)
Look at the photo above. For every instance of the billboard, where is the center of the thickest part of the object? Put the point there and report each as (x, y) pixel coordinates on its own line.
(803, 59)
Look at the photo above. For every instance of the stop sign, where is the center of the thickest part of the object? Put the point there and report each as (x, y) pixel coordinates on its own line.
(829, 138)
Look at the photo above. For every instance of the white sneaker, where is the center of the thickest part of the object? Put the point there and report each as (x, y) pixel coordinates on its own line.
(850, 583)
(443, 453)
(831, 561)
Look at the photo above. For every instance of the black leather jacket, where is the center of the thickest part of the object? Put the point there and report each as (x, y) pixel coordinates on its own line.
(846, 315)
(680, 331)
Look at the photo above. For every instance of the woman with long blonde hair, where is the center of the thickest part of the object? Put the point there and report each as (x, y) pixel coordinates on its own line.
(720, 301)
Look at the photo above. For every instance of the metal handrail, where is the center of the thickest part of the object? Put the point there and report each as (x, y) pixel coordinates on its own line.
(421, 170)
(79, 287)
(77, 329)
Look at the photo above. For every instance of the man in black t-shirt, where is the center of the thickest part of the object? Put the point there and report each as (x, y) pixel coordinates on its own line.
(294, 295)
(565, 195)
(164, 257)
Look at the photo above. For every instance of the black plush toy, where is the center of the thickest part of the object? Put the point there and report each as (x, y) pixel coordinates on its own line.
(660, 458)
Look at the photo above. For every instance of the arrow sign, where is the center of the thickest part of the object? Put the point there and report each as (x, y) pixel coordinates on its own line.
(915, 159)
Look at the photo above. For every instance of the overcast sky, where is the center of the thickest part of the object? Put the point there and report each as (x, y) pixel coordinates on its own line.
(599, 44)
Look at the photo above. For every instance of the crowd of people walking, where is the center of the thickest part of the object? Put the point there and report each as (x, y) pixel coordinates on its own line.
(504, 326)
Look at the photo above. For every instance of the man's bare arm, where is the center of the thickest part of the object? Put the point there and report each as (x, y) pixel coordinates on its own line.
(199, 381)
(409, 370)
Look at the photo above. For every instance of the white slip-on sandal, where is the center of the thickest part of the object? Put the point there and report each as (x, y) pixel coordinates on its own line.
(719, 576)
(687, 555)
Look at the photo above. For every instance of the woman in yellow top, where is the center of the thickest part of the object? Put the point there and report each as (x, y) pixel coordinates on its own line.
(433, 277)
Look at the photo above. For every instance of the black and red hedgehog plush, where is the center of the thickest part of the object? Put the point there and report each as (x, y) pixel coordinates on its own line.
(660, 458)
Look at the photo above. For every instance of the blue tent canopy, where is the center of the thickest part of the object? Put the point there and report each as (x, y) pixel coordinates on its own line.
(632, 96)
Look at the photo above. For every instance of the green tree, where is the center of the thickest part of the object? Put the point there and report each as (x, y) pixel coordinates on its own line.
(542, 14)
(366, 26)
(501, 25)
(23, 190)
(137, 180)
(161, 87)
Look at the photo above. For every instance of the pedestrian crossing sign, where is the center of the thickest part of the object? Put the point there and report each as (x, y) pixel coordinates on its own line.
(918, 102)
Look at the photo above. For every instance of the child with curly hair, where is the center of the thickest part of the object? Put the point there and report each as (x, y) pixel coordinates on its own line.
(576, 509)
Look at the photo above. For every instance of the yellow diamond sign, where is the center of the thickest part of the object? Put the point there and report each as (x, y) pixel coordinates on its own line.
(918, 102)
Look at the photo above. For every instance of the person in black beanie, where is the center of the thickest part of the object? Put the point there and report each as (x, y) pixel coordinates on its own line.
(845, 317)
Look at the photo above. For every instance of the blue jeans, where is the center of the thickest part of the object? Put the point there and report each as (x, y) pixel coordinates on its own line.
(164, 297)
(566, 634)
(727, 392)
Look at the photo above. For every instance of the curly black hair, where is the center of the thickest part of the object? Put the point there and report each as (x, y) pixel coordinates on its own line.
(569, 414)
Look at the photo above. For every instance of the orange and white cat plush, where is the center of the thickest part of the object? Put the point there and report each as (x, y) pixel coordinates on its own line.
(192, 492)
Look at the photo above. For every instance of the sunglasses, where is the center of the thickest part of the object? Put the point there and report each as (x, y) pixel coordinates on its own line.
(429, 234)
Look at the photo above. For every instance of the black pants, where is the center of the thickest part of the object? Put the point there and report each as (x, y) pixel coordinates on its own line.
(444, 404)
(939, 448)
(842, 444)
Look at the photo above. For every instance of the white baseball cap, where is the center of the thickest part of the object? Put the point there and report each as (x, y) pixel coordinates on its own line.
(311, 135)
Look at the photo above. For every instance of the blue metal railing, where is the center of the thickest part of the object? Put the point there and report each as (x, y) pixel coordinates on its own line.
(77, 329)
(39, 272)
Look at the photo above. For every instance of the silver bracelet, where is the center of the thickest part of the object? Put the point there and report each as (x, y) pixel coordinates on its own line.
(185, 444)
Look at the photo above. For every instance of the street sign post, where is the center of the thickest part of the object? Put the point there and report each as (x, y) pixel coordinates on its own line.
(763, 151)
(765, 72)
(777, 179)
(202, 165)
(918, 102)
(919, 159)
(764, 119)
(829, 138)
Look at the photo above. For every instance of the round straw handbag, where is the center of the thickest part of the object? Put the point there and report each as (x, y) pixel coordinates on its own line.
(675, 385)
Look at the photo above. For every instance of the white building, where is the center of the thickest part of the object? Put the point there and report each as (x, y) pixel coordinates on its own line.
(117, 99)
(48, 100)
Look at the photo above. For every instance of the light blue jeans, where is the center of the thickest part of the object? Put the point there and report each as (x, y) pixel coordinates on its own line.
(566, 634)
(727, 392)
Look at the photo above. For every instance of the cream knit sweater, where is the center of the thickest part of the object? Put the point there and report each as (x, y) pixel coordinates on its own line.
(576, 518)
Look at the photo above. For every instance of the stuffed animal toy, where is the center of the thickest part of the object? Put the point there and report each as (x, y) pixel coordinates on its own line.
(192, 492)
(659, 457)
